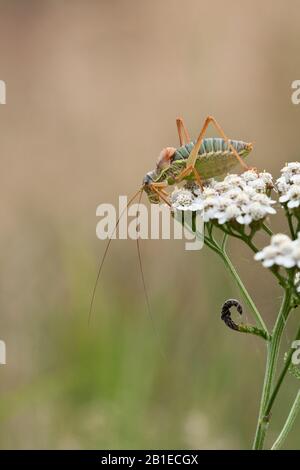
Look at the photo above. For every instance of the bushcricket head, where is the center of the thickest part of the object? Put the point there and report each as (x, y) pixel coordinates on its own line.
(148, 181)
(151, 177)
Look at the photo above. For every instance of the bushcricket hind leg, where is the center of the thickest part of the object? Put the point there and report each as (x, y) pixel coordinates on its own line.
(194, 153)
(186, 172)
(183, 134)
(191, 161)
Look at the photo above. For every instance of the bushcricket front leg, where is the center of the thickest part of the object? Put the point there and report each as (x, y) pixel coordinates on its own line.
(194, 153)
(183, 134)
(158, 189)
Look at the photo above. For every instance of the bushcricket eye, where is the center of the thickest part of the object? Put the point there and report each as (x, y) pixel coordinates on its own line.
(147, 180)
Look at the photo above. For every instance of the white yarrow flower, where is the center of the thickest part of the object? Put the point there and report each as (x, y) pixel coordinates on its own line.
(282, 251)
(280, 239)
(249, 175)
(292, 196)
(229, 213)
(267, 178)
(291, 168)
(181, 198)
(288, 185)
(241, 198)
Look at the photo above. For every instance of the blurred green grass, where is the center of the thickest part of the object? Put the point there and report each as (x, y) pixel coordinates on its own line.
(93, 92)
(117, 384)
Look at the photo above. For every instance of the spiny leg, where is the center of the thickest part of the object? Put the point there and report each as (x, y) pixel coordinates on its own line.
(186, 172)
(191, 161)
(194, 153)
(160, 186)
(183, 134)
(160, 193)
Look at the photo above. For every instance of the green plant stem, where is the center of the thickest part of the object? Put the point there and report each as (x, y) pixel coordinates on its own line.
(273, 342)
(288, 424)
(253, 330)
(244, 291)
(221, 251)
(272, 357)
(267, 229)
(281, 377)
(248, 240)
(290, 221)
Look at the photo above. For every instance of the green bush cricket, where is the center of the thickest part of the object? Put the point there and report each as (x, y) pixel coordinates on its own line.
(197, 160)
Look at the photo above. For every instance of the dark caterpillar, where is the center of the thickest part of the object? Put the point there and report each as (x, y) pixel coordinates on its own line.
(226, 313)
(242, 328)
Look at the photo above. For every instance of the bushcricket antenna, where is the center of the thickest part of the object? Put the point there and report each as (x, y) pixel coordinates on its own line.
(106, 251)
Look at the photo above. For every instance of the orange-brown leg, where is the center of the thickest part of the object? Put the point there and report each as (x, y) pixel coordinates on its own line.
(194, 153)
(160, 193)
(183, 134)
(161, 187)
(187, 171)
(191, 161)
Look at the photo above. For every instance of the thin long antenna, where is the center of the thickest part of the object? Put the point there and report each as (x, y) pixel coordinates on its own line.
(149, 311)
(106, 251)
(141, 264)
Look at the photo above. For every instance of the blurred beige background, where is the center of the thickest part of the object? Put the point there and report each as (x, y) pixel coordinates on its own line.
(93, 90)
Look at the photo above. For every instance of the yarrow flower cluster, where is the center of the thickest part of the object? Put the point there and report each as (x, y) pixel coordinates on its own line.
(241, 198)
(288, 185)
(282, 251)
(184, 199)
